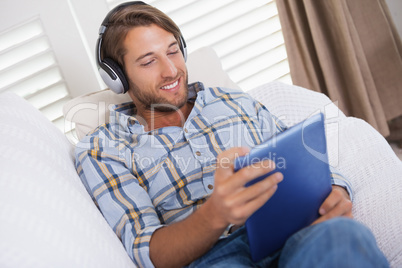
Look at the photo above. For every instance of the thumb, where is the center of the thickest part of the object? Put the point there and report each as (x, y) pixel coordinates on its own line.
(225, 161)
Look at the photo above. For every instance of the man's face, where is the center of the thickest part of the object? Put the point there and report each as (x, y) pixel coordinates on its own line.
(155, 68)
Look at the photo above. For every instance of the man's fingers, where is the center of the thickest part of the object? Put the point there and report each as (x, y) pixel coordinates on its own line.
(244, 212)
(336, 205)
(336, 212)
(236, 201)
(336, 200)
(265, 187)
(253, 197)
(251, 172)
(225, 168)
(224, 161)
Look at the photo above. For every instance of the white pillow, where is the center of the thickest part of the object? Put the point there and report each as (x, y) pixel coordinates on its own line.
(91, 110)
(47, 219)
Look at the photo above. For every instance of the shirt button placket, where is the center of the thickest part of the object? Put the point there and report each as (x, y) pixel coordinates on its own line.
(206, 182)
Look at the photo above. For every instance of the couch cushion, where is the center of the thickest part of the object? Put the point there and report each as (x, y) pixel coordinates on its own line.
(47, 218)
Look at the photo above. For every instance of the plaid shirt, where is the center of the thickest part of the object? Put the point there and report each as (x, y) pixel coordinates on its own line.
(142, 180)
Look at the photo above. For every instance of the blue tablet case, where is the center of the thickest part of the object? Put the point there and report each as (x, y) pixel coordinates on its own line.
(300, 155)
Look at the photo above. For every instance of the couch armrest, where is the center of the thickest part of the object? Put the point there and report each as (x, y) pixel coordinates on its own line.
(293, 104)
(47, 218)
(370, 164)
(359, 152)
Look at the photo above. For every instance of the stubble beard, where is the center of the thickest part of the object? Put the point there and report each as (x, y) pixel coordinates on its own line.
(159, 103)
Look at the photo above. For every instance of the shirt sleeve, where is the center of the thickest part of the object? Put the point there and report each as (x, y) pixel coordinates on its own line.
(104, 168)
(269, 123)
(338, 179)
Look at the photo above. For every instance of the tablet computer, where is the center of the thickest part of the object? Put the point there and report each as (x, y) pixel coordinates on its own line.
(300, 154)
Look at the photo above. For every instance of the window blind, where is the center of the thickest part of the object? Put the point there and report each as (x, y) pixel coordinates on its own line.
(245, 34)
(29, 68)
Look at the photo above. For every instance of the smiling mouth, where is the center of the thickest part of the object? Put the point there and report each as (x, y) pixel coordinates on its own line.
(173, 85)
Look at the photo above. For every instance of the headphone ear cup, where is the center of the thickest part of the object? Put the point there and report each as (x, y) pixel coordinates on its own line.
(183, 48)
(118, 84)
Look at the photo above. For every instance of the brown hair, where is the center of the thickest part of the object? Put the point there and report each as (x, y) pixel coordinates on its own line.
(124, 20)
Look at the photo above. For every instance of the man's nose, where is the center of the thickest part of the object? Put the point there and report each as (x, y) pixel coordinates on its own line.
(168, 68)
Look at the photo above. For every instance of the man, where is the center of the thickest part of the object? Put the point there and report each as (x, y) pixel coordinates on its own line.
(162, 171)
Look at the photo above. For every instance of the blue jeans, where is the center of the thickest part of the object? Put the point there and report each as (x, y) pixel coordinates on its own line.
(338, 242)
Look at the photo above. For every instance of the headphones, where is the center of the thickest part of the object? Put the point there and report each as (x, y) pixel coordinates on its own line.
(110, 71)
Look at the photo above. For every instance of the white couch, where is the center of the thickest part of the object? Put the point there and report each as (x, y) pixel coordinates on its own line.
(48, 220)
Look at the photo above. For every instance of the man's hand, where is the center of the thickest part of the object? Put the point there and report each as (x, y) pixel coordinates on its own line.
(232, 201)
(335, 205)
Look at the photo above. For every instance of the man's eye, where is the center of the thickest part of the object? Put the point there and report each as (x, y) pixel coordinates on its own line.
(147, 63)
(173, 52)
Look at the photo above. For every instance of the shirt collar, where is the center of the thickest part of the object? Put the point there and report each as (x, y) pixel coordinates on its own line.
(123, 115)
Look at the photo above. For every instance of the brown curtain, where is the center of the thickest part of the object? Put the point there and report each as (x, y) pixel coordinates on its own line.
(349, 50)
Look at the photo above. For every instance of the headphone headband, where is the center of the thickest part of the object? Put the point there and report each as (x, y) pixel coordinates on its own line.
(105, 21)
(110, 71)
